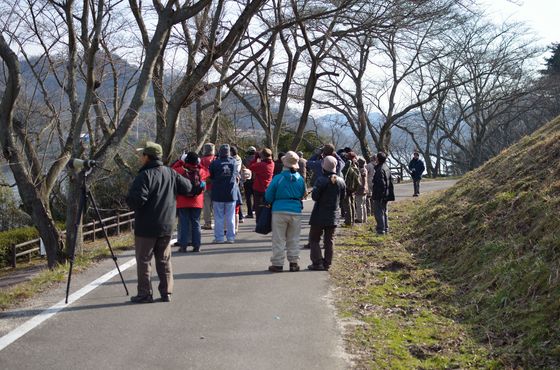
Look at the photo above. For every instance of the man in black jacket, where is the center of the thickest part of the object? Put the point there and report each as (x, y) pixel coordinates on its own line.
(416, 168)
(152, 197)
(327, 192)
(380, 193)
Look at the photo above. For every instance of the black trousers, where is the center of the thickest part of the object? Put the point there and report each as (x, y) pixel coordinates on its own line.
(380, 213)
(259, 201)
(248, 187)
(315, 233)
(416, 183)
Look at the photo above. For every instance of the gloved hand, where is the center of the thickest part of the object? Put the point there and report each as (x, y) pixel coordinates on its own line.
(183, 156)
(203, 184)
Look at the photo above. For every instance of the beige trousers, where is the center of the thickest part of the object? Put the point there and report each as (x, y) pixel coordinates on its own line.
(207, 210)
(286, 228)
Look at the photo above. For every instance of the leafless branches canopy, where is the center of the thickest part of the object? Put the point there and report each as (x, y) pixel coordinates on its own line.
(87, 78)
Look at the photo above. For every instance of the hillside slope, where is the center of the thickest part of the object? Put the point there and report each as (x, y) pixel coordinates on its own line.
(496, 237)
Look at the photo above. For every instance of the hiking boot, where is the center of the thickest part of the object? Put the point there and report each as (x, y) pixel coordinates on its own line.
(294, 267)
(196, 249)
(206, 227)
(183, 249)
(142, 299)
(316, 267)
(166, 298)
(230, 241)
(215, 241)
(275, 268)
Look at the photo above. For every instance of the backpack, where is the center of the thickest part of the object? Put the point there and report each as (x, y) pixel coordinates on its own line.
(193, 175)
(352, 178)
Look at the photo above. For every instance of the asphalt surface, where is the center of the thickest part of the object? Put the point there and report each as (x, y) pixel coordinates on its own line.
(227, 312)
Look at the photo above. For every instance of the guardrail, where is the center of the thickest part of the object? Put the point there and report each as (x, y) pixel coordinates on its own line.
(90, 229)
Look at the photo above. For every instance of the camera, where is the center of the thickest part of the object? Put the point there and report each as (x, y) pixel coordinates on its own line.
(80, 164)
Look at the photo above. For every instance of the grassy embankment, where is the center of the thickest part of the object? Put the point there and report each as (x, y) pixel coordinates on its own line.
(470, 278)
(15, 295)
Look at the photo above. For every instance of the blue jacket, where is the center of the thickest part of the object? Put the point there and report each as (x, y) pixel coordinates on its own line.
(285, 192)
(224, 177)
(315, 165)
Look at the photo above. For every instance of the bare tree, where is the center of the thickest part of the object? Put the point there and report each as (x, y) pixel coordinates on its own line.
(496, 80)
(74, 30)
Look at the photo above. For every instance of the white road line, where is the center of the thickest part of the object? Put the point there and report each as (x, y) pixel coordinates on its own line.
(32, 323)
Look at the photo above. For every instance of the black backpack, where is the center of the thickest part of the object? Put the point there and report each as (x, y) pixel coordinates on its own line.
(193, 175)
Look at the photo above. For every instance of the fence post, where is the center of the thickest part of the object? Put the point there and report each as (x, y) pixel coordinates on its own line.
(118, 223)
(93, 231)
(14, 253)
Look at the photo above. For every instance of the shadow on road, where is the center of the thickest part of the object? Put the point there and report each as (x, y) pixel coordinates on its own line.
(214, 275)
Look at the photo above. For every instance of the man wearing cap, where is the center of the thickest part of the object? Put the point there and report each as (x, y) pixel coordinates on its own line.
(327, 192)
(152, 197)
(263, 169)
(225, 193)
(248, 183)
(286, 192)
(352, 179)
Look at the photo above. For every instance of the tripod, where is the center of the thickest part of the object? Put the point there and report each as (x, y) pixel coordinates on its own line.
(86, 194)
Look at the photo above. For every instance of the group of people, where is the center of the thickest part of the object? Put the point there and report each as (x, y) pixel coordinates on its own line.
(211, 185)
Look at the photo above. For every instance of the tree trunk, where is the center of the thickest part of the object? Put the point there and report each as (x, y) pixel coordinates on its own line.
(48, 232)
(385, 138)
(72, 205)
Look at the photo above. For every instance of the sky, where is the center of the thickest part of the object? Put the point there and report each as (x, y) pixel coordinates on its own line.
(540, 15)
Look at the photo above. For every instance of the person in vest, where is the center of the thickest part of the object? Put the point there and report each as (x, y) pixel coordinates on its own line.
(351, 175)
(225, 192)
(208, 156)
(248, 182)
(152, 197)
(262, 168)
(370, 167)
(286, 192)
(326, 193)
(380, 193)
(190, 207)
(362, 192)
(416, 168)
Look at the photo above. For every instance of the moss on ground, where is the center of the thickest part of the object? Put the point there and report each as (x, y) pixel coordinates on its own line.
(406, 320)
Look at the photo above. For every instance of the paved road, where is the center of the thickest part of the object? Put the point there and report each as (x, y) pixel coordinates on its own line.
(227, 313)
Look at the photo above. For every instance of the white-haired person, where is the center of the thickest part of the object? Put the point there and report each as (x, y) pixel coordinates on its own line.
(285, 193)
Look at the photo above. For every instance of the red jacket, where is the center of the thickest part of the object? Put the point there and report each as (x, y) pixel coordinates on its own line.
(190, 202)
(262, 174)
(205, 163)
